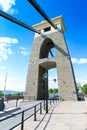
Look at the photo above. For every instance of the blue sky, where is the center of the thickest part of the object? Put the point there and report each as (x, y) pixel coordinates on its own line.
(16, 42)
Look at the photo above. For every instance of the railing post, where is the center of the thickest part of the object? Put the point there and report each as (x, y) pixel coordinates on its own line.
(40, 107)
(44, 104)
(16, 102)
(53, 100)
(22, 121)
(35, 113)
(50, 101)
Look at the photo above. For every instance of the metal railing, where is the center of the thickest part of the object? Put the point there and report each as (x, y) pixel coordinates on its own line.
(36, 108)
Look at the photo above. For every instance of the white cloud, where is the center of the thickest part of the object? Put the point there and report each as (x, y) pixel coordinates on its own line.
(0, 59)
(8, 40)
(74, 60)
(82, 61)
(51, 79)
(5, 56)
(82, 81)
(52, 83)
(22, 48)
(24, 52)
(79, 61)
(5, 47)
(9, 51)
(12, 11)
(6, 5)
(2, 67)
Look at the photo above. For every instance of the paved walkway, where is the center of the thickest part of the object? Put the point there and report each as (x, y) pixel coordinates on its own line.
(66, 115)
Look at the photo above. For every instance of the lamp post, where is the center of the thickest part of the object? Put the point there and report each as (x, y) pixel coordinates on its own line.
(45, 76)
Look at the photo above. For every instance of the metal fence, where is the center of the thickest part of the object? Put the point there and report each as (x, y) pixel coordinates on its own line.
(35, 109)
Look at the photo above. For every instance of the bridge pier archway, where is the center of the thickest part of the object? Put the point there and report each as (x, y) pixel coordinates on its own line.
(41, 62)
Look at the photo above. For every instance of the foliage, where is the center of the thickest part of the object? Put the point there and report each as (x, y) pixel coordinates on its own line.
(50, 90)
(55, 90)
(17, 94)
(1, 93)
(84, 89)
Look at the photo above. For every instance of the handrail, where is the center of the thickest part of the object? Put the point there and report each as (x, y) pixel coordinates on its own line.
(19, 112)
(23, 112)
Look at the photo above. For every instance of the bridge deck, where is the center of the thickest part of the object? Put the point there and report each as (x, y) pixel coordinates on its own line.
(66, 115)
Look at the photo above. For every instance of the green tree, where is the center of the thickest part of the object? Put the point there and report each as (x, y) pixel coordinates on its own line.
(50, 90)
(1, 93)
(16, 94)
(84, 89)
(55, 90)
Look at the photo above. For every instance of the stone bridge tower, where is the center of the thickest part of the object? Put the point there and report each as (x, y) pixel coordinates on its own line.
(40, 62)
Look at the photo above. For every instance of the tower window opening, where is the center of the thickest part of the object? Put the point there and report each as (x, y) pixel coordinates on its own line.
(47, 29)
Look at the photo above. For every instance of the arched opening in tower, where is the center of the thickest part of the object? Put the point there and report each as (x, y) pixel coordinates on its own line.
(53, 84)
(47, 63)
(47, 49)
